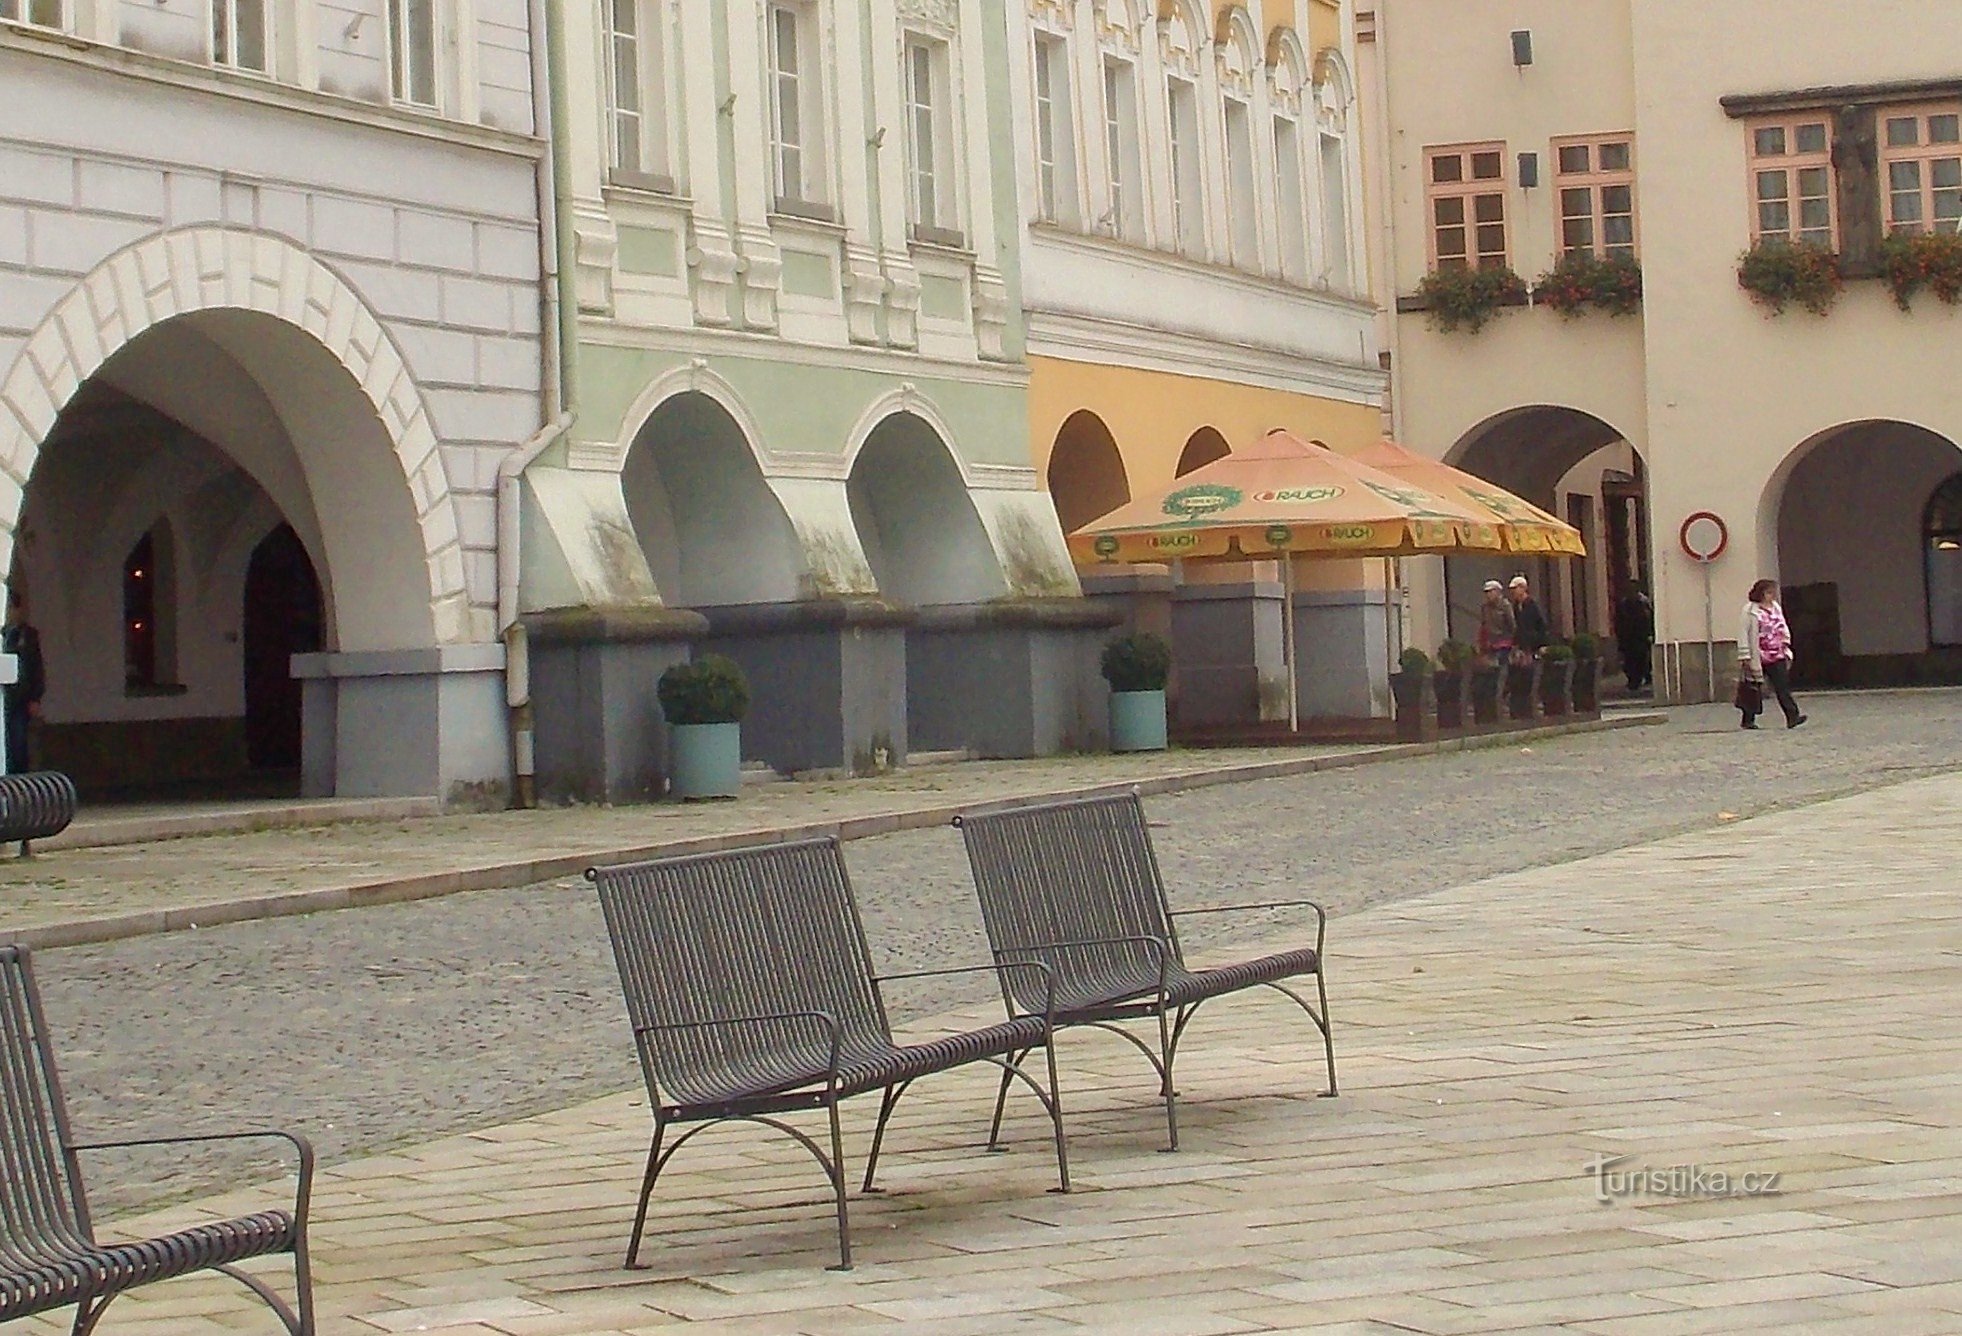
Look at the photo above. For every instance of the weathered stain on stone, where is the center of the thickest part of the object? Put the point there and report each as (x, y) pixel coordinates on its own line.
(1032, 564)
(833, 564)
(622, 564)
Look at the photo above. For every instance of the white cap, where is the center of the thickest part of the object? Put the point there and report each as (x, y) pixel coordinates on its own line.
(1518, 582)
(1493, 584)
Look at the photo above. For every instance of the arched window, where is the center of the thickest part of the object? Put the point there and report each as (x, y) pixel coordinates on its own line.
(150, 611)
(1236, 90)
(1287, 96)
(1179, 42)
(1942, 526)
(1332, 102)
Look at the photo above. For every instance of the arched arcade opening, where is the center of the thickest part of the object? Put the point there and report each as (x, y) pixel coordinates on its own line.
(1086, 474)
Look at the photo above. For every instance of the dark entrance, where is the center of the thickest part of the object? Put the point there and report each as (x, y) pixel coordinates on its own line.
(283, 617)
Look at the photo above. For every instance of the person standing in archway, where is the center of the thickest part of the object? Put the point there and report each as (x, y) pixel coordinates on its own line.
(23, 694)
(1764, 654)
(1635, 636)
(1533, 634)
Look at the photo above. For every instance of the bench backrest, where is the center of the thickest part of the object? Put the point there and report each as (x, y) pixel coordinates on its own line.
(42, 1211)
(751, 932)
(1075, 871)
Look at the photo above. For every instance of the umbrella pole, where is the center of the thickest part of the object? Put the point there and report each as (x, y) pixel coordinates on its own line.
(1287, 641)
(1390, 649)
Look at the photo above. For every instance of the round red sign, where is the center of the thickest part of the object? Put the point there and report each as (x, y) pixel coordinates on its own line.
(1704, 536)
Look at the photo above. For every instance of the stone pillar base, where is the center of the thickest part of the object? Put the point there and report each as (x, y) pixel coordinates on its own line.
(1226, 640)
(1010, 679)
(395, 723)
(1342, 661)
(1682, 676)
(827, 681)
(597, 730)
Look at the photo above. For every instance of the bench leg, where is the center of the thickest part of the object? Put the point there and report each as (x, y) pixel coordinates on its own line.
(1056, 1117)
(1326, 1023)
(887, 1103)
(89, 1312)
(1168, 1050)
(1001, 1100)
(300, 1324)
(654, 1163)
(837, 1171)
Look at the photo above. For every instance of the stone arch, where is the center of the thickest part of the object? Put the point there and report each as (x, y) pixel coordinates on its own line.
(1201, 448)
(218, 273)
(916, 519)
(1086, 476)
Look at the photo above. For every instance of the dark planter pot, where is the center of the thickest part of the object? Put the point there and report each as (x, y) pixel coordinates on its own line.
(1416, 700)
(1556, 687)
(1587, 686)
(1484, 695)
(1523, 691)
(1453, 691)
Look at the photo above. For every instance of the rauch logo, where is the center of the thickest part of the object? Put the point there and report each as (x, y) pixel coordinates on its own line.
(1309, 494)
(1193, 503)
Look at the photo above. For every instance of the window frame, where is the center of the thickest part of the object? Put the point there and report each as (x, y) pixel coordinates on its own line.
(1059, 181)
(1236, 120)
(652, 168)
(1185, 129)
(1924, 153)
(940, 225)
(22, 12)
(1123, 146)
(1467, 188)
(224, 36)
(401, 56)
(811, 195)
(1596, 182)
(1293, 252)
(1792, 161)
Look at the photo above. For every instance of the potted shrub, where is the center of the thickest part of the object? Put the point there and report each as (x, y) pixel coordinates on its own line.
(1556, 678)
(1452, 683)
(1585, 693)
(1416, 697)
(704, 701)
(1136, 667)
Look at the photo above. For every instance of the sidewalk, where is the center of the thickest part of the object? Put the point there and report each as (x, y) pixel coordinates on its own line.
(71, 896)
(1771, 998)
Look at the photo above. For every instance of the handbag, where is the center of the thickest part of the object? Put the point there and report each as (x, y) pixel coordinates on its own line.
(1750, 695)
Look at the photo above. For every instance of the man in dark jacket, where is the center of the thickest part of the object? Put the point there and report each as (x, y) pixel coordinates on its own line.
(1635, 636)
(23, 694)
(1533, 633)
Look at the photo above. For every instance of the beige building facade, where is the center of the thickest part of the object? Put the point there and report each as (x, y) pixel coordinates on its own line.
(1684, 135)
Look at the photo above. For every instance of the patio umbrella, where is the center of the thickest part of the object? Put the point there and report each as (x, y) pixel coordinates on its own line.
(1279, 498)
(1523, 526)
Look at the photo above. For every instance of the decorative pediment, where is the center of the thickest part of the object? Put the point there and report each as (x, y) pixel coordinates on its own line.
(1058, 14)
(1116, 27)
(941, 16)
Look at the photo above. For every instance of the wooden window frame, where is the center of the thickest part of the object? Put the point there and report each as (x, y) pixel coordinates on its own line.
(1924, 152)
(1468, 189)
(1596, 182)
(1793, 161)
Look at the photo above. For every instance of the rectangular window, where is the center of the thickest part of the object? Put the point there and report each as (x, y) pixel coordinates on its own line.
(1188, 183)
(1335, 214)
(238, 34)
(40, 13)
(1921, 154)
(1121, 150)
(929, 134)
(636, 72)
(796, 106)
(412, 51)
(1466, 188)
(1595, 183)
(1243, 223)
(1056, 180)
(1290, 195)
(1792, 181)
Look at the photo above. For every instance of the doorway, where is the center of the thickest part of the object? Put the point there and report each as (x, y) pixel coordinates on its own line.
(283, 616)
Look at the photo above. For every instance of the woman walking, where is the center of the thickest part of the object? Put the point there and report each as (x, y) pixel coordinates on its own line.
(1764, 657)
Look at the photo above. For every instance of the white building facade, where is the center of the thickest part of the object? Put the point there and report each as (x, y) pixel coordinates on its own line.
(270, 318)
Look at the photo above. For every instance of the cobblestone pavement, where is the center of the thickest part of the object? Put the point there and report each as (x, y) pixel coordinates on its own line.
(391, 1024)
(1544, 1075)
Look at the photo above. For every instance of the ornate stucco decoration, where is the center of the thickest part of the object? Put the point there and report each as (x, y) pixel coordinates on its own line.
(1178, 39)
(1057, 14)
(938, 16)
(1116, 28)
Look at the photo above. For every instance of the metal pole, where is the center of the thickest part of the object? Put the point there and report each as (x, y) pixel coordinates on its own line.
(1709, 638)
(1287, 641)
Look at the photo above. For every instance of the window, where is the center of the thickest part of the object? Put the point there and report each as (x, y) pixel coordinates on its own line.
(238, 34)
(1335, 213)
(40, 13)
(1922, 150)
(1332, 99)
(636, 74)
(1188, 184)
(796, 107)
(1056, 182)
(1126, 218)
(1596, 183)
(1942, 526)
(1791, 181)
(929, 135)
(1243, 224)
(1290, 192)
(1467, 190)
(411, 51)
(150, 610)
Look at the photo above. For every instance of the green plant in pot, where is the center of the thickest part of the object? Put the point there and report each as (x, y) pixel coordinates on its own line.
(1451, 681)
(1136, 667)
(1585, 693)
(1556, 677)
(704, 701)
(1416, 697)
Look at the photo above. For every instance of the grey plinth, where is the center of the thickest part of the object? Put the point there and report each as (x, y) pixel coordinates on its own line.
(1226, 641)
(597, 730)
(1342, 653)
(827, 681)
(1009, 679)
(386, 723)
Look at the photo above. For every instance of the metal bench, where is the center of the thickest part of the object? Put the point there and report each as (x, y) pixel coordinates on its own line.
(49, 1255)
(1075, 886)
(34, 806)
(751, 994)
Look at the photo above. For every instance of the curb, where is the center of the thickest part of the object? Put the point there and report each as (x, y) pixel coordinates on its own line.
(499, 876)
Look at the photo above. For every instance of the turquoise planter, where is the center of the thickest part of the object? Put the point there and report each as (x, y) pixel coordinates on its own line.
(705, 760)
(1137, 721)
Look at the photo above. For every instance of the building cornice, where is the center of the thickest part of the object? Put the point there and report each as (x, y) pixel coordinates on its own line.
(773, 348)
(1079, 337)
(1740, 105)
(1108, 248)
(207, 81)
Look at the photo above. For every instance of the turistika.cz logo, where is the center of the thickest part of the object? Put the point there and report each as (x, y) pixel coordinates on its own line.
(1200, 500)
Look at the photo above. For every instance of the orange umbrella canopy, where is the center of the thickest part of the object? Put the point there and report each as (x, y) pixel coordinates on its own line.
(1284, 495)
(1523, 525)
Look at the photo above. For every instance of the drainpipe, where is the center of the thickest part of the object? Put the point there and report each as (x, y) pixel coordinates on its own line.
(555, 391)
